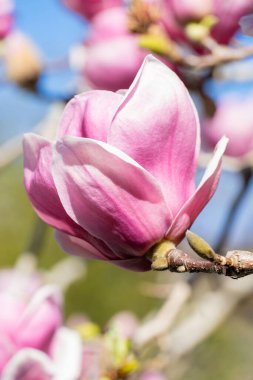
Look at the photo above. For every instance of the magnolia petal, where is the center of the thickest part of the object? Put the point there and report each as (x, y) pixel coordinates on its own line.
(66, 352)
(109, 195)
(157, 125)
(139, 264)
(79, 247)
(89, 115)
(29, 364)
(41, 190)
(43, 315)
(200, 198)
(40, 186)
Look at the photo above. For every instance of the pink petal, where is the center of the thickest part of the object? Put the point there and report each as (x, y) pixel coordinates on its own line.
(139, 264)
(41, 190)
(40, 186)
(67, 354)
(7, 349)
(108, 24)
(43, 315)
(29, 364)
(157, 125)
(192, 208)
(79, 247)
(109, 195)
(89, 115)
(89, 9)
(112, 64)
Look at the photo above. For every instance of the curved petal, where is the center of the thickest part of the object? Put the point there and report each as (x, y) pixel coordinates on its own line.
(139, 264)
(43, 315)
(157, 125)
(41, 190)
(89, 115)
(40, 186)
(79, 247)
(109, 195)
(29, 364)
(67, 354)
(192, 208)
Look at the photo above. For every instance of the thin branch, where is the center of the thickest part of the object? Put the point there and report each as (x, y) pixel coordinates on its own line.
(221, 55)
(210, 311)
(162, 321)
(236, 264)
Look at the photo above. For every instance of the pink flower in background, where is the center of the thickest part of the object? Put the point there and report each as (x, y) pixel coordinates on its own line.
(228, 14)
(63, 362)
(233, 118)
(89, 9)
(6, 17)
(120, 176)
(189, 10)
(30, 314)
(112, 53)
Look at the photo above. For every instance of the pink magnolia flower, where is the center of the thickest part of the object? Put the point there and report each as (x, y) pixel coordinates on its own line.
(64, 362)
(6, 17)
(228, 13)
(112, 53)
(29, 316)
(89, 9)
(120, 176)
(234, 118)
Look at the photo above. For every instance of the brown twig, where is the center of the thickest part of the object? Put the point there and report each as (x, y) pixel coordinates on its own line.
(219, 56)
(236, 264)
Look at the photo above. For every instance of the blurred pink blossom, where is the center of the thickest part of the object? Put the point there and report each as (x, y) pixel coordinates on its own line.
(30, 314)
(189, 10)
(63, 362)
(233, 118)
(6, 17)
(228, 13)
(112, 53)
(120, 177)
(89, 9)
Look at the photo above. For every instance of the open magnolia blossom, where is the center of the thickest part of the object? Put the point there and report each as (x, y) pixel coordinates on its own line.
(119, 179)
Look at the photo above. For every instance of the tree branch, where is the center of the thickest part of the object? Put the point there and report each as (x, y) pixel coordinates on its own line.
(236, 264)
